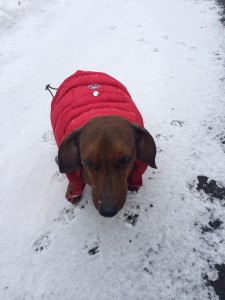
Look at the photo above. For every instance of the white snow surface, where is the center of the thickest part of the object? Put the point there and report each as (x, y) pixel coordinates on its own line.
(170, 56)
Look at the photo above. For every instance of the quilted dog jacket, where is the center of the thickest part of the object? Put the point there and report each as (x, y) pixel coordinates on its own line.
(85, 95)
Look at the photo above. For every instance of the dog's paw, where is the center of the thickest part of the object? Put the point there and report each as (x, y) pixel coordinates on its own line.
(133, 189)
(43, 243)
(73, 199)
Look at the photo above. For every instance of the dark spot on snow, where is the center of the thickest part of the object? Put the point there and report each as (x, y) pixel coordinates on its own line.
(210, 188)
(151, 205)
(113, 27)
(177, 123)
(83, 204)
(221, 4)
(93, 250)
(131, 219)
(219, 283)
(215, 224)
(130, 241)
(212, 226)
(221, 138)
(147, 271)
(165, 137)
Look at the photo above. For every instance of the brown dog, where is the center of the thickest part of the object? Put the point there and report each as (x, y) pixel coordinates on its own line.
(106, 149)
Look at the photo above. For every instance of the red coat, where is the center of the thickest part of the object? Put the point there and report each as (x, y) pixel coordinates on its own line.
(74, 104)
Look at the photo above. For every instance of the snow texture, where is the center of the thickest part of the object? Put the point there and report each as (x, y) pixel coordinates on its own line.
(168, 242)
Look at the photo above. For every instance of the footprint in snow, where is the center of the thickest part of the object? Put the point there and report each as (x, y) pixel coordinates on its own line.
(165, 37)
(165, 137)
(113, 27)
(66, 216)
(43, 243)
(155, 50)
(131, 218)
(92, 247)
(177, 123)
(59, 177)
(221, 138)
(48, 137)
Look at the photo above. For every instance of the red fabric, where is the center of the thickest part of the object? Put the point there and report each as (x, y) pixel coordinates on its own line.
(74, 104)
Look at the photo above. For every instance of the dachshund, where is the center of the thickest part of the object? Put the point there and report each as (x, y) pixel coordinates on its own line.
(101, 138)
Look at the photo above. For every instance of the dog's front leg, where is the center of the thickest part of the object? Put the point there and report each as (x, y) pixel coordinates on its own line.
(69, 195)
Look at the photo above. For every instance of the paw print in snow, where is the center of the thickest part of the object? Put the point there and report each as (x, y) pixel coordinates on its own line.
(43, 243)
(177, 123)
(66, 216)
(59, 177)
(49, 137)
(131, 219)
(92, 246)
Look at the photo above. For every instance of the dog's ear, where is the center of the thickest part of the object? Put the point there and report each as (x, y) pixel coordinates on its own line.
(146, 148)
(68, 155)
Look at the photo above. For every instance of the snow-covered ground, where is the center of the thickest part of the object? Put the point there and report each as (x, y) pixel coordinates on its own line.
(168, 242)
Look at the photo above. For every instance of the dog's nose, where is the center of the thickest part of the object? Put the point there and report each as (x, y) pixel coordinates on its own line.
(108, 211)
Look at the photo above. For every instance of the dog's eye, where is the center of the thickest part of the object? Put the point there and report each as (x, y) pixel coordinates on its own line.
(125, 160)
(89, 164)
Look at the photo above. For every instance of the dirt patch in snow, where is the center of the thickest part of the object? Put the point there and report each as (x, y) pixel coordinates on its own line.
(210, 187)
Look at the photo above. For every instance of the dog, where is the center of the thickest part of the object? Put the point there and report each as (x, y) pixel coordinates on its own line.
(101, 138)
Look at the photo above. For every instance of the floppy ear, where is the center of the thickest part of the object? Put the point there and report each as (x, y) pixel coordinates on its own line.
(68, 155)
(146, 148)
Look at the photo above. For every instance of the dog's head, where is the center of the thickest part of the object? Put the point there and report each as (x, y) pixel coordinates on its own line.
(105, 149)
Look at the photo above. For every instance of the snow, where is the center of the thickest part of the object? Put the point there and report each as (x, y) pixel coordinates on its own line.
(170, 56)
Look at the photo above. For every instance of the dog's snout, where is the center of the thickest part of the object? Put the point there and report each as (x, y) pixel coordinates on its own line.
(108, 210)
